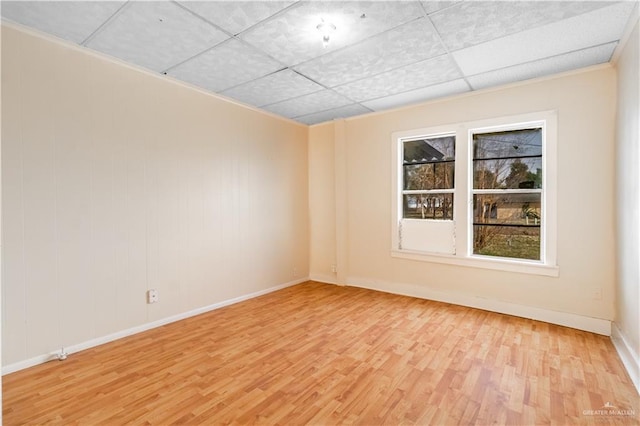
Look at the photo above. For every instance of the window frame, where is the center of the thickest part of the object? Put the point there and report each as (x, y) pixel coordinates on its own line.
(463, 194)
(541, 124)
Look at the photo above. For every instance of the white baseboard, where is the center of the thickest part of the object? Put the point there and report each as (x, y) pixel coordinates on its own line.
(630, 358)
(580, 322)
(21, 365)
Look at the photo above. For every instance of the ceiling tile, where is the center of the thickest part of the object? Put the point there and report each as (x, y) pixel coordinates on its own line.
(308, 104)
(410, 77)
(470, 23)
(226, 65)
(70, 20)
(434, 6)
(155, 35)
(420, 95)
(383, 54)
(273, 88)
(342, 112)
(236, 16)
(590, 29)
(403, 45)
(547, 66)
(292, 37)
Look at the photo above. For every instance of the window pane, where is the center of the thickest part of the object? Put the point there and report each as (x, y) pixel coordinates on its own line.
(507, 225)
(429, 176)
(429, 150)
(507, 209)
(511, 143)
(507, 241)
(516, 173)
(428, 206)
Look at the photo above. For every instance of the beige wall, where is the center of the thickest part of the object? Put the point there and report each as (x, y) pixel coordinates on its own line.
(1, 301)
(627, 316)
(322, 202)
(585, 102)
(116, 181)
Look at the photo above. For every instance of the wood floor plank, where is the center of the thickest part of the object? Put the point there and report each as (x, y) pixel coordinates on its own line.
(324, 355)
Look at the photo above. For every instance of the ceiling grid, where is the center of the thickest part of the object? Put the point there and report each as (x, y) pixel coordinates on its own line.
(382, 54)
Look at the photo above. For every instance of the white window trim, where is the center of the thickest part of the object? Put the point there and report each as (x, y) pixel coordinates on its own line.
(463, 199)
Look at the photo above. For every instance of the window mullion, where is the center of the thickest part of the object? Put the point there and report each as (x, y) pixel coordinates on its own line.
(507, 191)
(428, 191)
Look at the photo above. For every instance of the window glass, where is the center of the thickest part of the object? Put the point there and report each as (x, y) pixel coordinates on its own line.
(435, 206)
(507, 193)
(429, 150)
(508, 144)
(507, 241)
(428, 166)
(512, 173)
(509, 209)
(429, 176)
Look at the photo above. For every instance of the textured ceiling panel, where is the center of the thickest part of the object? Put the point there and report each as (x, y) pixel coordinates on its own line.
(342, 112)
(308, 104)
(436, 91)
(273, 88)
(434, 6)
(410, 77)
(549, 40)
(470, 23)
(72, 20)
(383, 53)
(236, 16)
(226, 65)
(155, 35)
(403, 45)
(553, 65)
(292, 37)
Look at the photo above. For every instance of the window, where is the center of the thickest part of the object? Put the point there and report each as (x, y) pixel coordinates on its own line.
(428, 176)
(507, 193)
(478, 194)
(426, 199)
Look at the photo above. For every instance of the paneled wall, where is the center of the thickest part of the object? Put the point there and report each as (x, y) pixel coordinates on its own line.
(116, 181)
(627, 317)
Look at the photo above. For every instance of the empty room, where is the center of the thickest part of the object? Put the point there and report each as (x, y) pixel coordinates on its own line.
(320, 212)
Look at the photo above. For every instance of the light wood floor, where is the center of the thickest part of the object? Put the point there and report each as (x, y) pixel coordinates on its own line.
(325, 355)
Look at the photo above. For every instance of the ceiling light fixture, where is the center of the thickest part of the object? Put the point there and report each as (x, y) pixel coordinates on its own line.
(325, 28)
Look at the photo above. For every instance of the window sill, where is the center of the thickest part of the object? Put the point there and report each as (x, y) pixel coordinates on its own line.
(520, 266)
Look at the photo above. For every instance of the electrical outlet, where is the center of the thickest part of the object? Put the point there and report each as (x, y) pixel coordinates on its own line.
(334, 269)
(596, 294)
(152, 296)
(294, 272)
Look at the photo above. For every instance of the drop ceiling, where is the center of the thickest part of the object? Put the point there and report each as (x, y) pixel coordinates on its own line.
(383, 54)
